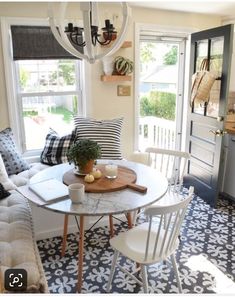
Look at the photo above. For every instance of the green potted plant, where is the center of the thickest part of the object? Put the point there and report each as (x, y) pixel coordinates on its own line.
(83, 154)
(123, 66)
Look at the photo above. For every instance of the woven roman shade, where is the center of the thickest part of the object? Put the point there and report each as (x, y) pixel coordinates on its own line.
(37, 43)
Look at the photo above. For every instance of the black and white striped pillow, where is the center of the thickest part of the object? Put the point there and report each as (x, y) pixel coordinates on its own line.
(56, 148)
(107, 133)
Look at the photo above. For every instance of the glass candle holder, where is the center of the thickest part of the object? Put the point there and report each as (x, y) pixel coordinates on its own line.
(111, 171)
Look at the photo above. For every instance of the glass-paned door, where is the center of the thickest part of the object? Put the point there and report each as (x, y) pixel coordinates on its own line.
(205, 125)
(160, 91)
(210, 50)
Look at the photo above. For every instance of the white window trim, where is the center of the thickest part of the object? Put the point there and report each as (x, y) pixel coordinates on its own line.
(183, 32)
(16, 122)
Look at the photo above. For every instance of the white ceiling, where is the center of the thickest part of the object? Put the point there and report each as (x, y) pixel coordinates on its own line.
(225, 8)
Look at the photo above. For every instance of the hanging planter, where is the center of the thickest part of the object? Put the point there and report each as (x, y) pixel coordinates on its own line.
(123, 66)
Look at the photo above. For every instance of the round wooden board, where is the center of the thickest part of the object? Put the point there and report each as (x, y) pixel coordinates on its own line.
(125, 177)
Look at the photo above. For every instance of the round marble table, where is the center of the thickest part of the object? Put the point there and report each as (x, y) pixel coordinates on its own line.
(110, 203)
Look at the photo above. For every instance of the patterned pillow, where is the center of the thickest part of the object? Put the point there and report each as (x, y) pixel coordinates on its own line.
(12, 159)
(106, 133)
(56, 148)
(4, 179)
(3, 192)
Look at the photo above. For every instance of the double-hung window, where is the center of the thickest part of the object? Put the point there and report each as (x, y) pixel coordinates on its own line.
(46, 84)
(48, 97)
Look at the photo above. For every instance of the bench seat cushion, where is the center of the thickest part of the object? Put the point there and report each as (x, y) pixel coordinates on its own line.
(18, 248)
(23, 177)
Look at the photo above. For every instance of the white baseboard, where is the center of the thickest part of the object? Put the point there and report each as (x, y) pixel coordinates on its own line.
(44, 234)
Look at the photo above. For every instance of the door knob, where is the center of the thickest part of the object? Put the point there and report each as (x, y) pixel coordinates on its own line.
(218, 132)
(220, 119)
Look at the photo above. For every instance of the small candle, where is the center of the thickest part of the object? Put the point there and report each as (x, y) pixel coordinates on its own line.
(111, 171)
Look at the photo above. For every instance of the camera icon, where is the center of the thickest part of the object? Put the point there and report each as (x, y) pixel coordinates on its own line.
(15, 279)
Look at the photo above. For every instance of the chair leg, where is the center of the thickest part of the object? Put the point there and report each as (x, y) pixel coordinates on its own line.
(176, 272)
(135, 216)
(111, 226)
(115, 256)
(66, 218)
(144, 278)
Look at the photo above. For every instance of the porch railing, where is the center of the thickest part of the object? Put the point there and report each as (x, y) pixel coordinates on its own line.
(157, 132)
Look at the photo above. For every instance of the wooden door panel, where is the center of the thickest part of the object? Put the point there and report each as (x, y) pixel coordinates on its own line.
(215, 45)
(203, 153)
(199, 163)
(201, 174)
(202, 131)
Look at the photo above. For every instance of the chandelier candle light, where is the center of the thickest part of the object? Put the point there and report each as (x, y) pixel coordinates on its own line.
(71, 36)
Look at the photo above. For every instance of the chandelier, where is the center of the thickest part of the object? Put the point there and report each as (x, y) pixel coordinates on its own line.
(88, 36)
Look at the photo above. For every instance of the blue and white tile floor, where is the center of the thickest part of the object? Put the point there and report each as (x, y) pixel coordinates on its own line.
(206, 257)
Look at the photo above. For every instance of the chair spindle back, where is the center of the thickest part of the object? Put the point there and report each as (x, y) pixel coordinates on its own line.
(165, 235)
(172, 164)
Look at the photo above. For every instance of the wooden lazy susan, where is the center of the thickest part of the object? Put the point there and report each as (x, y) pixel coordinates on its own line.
(126, 179)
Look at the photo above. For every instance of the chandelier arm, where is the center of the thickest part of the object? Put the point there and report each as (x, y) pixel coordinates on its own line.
(58, 36)
(73, 39)
(86, 9)
(106, 42)
(94, 20)
(80, 44)
(63, 35)
(63, 40)
(63, 8)
(70, 49)
(118, 42)
(93, 40)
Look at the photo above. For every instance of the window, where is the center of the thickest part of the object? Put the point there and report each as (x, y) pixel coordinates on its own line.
(43, 84)
(48, 95)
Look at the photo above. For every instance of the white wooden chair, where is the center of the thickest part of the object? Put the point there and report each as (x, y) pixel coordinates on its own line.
(172, 164)
(151, 242)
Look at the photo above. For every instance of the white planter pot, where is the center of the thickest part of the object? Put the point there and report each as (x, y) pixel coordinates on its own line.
(108, 65)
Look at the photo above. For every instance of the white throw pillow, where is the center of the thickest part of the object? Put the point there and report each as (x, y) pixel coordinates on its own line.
(4, 180)
(107, 133)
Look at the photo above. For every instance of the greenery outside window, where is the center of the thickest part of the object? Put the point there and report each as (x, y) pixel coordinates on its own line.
(160, 72)
(44, 83)
(48, 92)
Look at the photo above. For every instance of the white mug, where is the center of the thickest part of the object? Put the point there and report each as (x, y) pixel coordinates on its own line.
(76, 192)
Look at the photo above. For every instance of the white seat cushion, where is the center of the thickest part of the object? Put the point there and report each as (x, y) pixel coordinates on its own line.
(18, 248)
(23, 177)
(132, 244)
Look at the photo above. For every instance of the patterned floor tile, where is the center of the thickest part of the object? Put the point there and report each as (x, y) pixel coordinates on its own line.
(206, 257)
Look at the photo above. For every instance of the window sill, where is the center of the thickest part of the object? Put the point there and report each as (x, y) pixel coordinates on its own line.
(32, 156)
